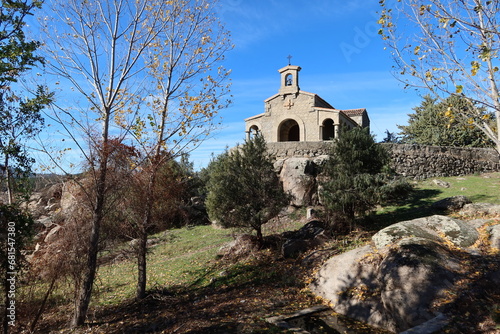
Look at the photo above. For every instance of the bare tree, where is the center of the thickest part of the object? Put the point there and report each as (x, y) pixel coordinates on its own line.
(449, 48)
(188, 88)
(144, 71)
(97, 46)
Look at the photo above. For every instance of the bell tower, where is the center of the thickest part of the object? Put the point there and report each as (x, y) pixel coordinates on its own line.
(289, 80)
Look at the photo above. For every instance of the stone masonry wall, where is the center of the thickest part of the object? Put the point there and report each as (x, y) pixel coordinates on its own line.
(422, 162)
(412, 161)
(298, 149)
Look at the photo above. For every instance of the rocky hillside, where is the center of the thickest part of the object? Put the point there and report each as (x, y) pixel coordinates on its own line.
(412, 272)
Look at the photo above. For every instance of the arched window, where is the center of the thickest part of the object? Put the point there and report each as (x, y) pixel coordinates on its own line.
(328, 129)
(254, 129)
(289, 131)
(288, 80)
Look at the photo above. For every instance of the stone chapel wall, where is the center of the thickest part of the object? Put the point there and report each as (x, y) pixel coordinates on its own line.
(413, 161)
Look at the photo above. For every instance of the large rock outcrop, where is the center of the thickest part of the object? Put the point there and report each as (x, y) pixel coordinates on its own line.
(396, 281)
(298, 176)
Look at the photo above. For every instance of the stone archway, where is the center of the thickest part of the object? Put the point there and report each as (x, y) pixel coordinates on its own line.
(254, 129)
(289, 130)
(328, 132)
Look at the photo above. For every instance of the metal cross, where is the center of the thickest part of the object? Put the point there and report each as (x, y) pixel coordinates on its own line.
(289, 59)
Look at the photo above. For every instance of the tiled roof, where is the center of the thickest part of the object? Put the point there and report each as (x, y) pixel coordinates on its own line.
(354, 112)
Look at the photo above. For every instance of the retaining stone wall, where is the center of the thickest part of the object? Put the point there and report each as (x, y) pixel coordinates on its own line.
(422, 162)
(412, 161)
(298, 149)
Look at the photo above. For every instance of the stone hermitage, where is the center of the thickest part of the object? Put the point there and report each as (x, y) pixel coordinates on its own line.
(298, 116)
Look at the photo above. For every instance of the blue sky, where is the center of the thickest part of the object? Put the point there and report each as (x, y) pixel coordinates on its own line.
(336, 44)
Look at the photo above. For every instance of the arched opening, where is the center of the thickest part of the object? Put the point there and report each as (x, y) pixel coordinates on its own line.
(289, 131)
(288, 80)
(328, 129)
(254, 129)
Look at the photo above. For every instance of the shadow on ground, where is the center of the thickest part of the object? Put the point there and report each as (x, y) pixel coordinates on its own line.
(417, 205)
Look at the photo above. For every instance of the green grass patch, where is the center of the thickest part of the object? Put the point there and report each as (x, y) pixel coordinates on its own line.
(478, 188)
(182, 257)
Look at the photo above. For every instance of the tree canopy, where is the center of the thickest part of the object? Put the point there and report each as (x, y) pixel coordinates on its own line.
(20, 120)
(434, 123)
(17, 54)
(20, 117)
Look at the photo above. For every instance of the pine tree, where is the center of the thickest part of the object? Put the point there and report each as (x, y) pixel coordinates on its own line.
(243, 188)
(439, 123)
(357, 178)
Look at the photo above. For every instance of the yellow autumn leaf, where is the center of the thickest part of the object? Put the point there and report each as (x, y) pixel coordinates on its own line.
(449, 112)
(475, 67)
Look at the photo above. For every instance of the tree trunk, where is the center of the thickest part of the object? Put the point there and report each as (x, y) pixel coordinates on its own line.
(8, 179)
(42, 307)
(260, 238)
(83, 298)
(494, 93)
(141, 264)
(5, 320)
(143, 235)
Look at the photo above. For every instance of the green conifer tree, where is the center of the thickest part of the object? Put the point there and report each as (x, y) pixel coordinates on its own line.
(438, 123)
(243, 188)
(357, 177)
